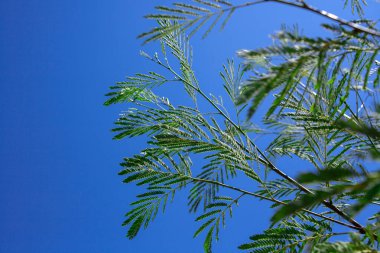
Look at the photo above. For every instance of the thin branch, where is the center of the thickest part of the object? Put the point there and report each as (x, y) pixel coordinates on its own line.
(303, 5)
(271, 199)
(333, 17)
(308, 239)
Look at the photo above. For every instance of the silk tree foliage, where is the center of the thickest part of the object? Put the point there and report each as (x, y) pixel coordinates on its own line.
(324, 109)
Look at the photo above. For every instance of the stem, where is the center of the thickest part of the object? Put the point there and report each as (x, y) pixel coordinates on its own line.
(333, 17)
(307, 7)
(270, 199)
(308, 239)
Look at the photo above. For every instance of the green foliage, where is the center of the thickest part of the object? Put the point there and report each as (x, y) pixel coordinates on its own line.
(321, 109)
(214, 215)
(190, 16)
(356, 245)
(368, 189)
(356, 6)
(311, 62)
(290, 236)
(136, 88)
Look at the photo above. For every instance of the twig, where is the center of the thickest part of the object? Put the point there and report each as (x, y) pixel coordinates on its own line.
(270, 199)
(303, 5)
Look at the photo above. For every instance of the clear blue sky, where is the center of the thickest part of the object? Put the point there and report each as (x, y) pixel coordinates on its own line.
(59, 189)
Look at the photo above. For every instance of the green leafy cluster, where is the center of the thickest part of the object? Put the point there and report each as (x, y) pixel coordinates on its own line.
(323, 112)
(293, 235)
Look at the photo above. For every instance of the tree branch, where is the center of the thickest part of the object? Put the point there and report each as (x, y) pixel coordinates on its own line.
(272, 200)
(262, 158)
(303, 5)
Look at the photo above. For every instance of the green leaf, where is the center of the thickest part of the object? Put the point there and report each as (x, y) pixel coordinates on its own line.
(208, 241)
(134, 229)
(325, 175)
(203, 227)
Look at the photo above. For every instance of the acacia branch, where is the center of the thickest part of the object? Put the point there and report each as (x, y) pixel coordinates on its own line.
(263, 158)
(303, 5)
(331, 16)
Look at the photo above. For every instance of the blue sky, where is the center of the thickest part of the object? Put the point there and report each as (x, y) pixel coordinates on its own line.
(59, 189)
